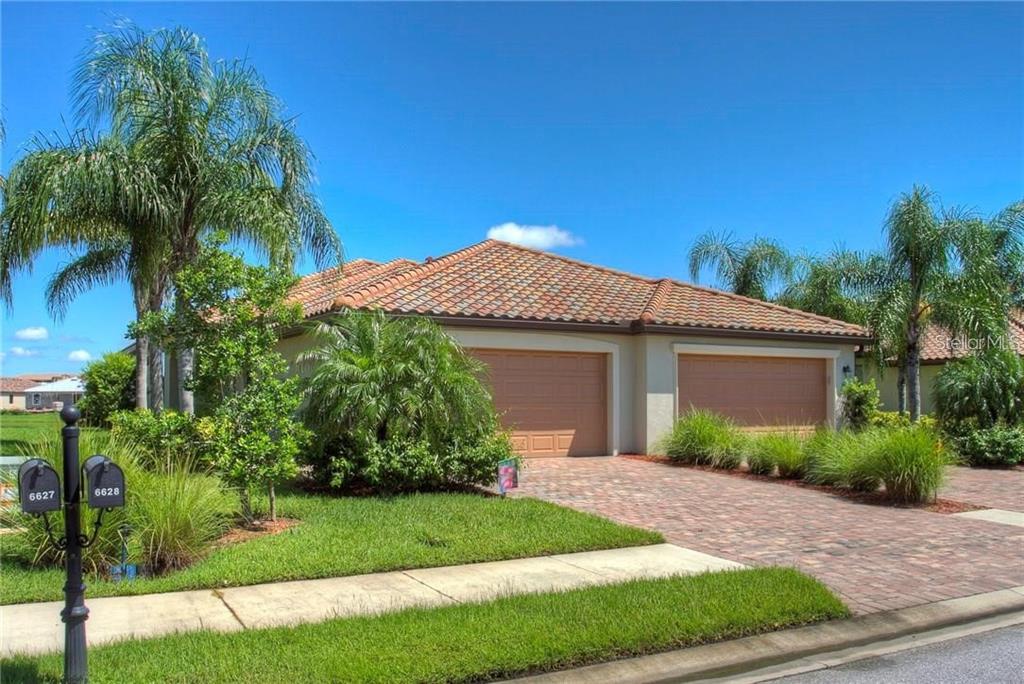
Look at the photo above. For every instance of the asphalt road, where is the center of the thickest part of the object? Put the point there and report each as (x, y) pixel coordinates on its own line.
(995, 657)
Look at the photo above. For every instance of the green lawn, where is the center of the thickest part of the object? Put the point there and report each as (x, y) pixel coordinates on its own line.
(353, 535)
(472, 642)
(19, 430)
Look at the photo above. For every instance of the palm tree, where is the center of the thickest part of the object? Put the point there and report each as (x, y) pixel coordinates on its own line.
(747, 269)
(833, 285)
(939, 268)
(212, 151)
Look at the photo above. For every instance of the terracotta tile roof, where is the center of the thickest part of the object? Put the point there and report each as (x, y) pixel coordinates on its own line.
(317, 292)
(938, 345)
(16, 384)
(501, 281)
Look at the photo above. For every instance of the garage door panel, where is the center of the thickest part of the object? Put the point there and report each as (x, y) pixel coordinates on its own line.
(554, 403)
(755, 391)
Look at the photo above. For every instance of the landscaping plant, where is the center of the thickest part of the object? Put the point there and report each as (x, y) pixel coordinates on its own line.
(840, 459)
(860, 403)
(166, 439)
(109, 386)
(396, 403)
(777, 449)
(910, 462)
(995, 446)
(703, 437)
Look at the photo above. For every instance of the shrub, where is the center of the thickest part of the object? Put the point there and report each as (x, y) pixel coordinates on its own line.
(997, 446)
(704, 438)
(840, 459)
(983, 389)
(860, 403)
(164, 440)
(781, 449)
(176, 516)
(378, 385)
(910, 462)
(109, 386)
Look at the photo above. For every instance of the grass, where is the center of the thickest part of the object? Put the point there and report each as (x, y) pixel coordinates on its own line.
(352, 535)
(20, 430)
(472, 642)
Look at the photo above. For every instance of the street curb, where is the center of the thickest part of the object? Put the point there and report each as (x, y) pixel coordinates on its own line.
(734, 658)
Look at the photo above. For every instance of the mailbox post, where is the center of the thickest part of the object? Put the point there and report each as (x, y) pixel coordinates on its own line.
(39, 491)
(74, 615)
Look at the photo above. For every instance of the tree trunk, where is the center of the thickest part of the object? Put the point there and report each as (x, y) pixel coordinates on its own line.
(186, 401)
(246, 504)
(141, 372)
(273, 502)
(913, 373)
(156, 377)
(901, 387)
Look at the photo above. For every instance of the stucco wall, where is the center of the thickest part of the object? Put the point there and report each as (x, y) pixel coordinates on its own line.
(642, 371)
(660, 374)
(13, 401)
(887, 385)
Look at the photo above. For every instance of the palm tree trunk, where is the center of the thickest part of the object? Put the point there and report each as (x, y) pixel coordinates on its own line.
(141, 372)
(186, 400)
(273, 502)
(913, 374)
(156, 377)
(901, 387)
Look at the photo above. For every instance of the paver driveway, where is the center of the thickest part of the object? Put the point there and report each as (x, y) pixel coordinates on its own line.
(875, 557)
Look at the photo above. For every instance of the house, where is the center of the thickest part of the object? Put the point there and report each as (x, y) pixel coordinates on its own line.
(587, 360)
(12, 393)
(54, 395)
(938, 347)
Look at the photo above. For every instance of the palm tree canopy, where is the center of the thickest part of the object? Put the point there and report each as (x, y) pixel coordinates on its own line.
(834, 285)
(747, 269)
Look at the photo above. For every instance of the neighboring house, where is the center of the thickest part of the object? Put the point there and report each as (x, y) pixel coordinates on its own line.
(54, 395)
(586, 360)
(12, 393)
(937, 349)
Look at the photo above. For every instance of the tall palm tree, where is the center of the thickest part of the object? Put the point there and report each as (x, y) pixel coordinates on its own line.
(833, 285)
(939, 268)
(213, 150)
(747, 269)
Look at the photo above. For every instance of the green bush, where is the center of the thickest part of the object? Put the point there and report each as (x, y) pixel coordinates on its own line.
(164, 440)
(777, 449)
(910, 462)
(172, 515)
(997, 446)
(176, 516)
(860, 402)
(379, 385)
(704, 438)
(983, 389)
(109, 386)
(840, 459)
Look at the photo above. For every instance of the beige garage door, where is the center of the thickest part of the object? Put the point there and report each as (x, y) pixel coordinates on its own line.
(755, 391)
(554, 403)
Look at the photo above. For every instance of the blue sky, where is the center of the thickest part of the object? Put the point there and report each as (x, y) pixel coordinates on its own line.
(631, 127)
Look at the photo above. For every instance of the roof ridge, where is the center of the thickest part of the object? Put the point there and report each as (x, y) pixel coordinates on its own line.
(769, 305)
(358, 297)
(339, 268)
(579, 262)
(657, 299)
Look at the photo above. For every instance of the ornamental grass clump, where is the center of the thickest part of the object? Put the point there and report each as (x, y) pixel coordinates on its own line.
(778, 449)
(840, 459)
(704, 438)
(910, 462)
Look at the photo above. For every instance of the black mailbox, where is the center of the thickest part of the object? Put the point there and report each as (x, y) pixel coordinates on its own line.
(104, 482)
(38, 487)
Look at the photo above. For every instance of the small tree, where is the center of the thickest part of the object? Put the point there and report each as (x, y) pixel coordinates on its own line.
(109, 387)
(230, 312)
(860, 403)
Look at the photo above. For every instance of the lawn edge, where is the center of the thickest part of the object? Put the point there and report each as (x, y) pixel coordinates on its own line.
(730, 659)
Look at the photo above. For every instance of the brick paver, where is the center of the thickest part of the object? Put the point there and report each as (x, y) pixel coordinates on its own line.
(986, 487)
(875, 557)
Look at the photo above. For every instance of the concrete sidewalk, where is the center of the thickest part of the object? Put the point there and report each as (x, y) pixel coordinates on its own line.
(36, 627)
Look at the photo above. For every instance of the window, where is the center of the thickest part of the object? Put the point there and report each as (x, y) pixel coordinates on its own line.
(10, 398)
(36, 399)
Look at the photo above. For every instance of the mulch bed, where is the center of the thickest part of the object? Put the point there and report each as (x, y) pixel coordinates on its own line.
(260, 528)
(945, 506)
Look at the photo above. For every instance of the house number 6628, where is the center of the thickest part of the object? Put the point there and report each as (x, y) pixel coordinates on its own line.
(106, 491)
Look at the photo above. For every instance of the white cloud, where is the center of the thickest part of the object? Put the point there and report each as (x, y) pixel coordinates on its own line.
(21, 351)
(34, 333)
(538, 237)
(79, 355)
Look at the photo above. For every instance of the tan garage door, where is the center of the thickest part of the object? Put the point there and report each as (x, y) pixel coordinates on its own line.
(555, 403)
(755, 391)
